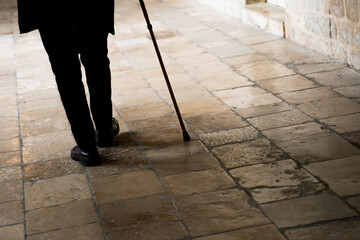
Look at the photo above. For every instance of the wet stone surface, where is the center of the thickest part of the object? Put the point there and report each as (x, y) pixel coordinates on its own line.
(242, 154)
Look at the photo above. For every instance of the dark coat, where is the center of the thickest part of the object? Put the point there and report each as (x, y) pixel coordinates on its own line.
(89, 14)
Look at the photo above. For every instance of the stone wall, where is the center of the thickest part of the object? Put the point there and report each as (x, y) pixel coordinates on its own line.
(331, 27)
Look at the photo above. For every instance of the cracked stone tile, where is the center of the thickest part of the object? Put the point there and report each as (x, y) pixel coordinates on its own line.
(60, 217)
(126, 186)
(330, 231)
(246, 97)
(211, 180)
(343, 124)
(259, 38)
(229, 136)
(8, 132)
(10, 159)
(308, 95)
(277, 120)
(330, 107)
(307, 68)
(11, 191)
(249, 153)
(338, 78)
(220, 211)
(353, 137)
(350, 92)
(257, 71)
(293, 132)
(307, 210)
(185, 149)
(215, 121)
(50, 169)
(10, 145)
(274, 174)
(173, 230)
(54, 145)
(198, 162)
(342, 175)
(137, 212)
(11, 213)
(355, 202)
(318, 147)
(248, 58)
(287, 84)
(270, 231)
(54, 191)
(13, 232)
(264, 109)
(113, 163)
(89, 231)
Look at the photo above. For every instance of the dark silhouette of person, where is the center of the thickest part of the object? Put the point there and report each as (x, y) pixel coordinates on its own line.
(69, 29)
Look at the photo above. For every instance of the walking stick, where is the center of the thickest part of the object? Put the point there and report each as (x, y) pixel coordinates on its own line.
(149, 26)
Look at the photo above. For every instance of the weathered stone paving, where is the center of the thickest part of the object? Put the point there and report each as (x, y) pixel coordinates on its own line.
(275, 128)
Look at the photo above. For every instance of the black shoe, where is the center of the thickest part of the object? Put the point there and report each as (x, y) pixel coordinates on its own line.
(106, 139)
(87, 159)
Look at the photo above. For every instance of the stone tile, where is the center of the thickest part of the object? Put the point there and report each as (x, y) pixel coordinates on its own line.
(205, 106)
(215, 121)
(10, 159)
(38, 95)
(217, 212)
(9, 174)
(318, 147)
(54, 145)
(122, 98)
(259, 38)
(274, 174)
(228, 80)
(125, 186)
(146, 111)
(306, 68)
(350, 92)
(51, 169)
(294, 132)
(264, 109)
(8, 132)
(248, 58)
(307, 210)
(308, 95)
(330, 107)
(270, 231)
(342, 175)
(347, 230)
(249, 153)
(165, 121)
(186, 93)
(43, 126)
(84, 232)
(287, 84)
(353, 137)
(173, 230)
(137, 212)
(123, 144)
(186, 149)
(14, 232)
(60, 217)
(54, 191)
(277, 120)
(210, 70)
(246, 97)
(9, 121)
(8, 100)
(229, 136)
(161, 138)
(355, 202)
(343, 124)
(8, 111)
(9, 145)
(338, 78)
(231, 50)
(11, 191)
(43, 104)
(38, 114)
(305, 188)
(11, 213)
(257, 71)
(113, 163)
(202, 161)
(198, 59)
(211, 180)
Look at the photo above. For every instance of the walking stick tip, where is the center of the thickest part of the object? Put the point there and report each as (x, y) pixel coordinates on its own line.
(186, 136)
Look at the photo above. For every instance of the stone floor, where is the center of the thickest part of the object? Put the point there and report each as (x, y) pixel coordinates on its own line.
(275, 128)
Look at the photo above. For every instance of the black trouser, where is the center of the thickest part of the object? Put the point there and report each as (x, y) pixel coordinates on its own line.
(63, 46)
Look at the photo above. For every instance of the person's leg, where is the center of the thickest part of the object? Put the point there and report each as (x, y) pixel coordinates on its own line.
(93, 53)
(63, 55)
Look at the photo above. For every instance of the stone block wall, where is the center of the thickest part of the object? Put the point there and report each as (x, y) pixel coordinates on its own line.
(331, 27)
